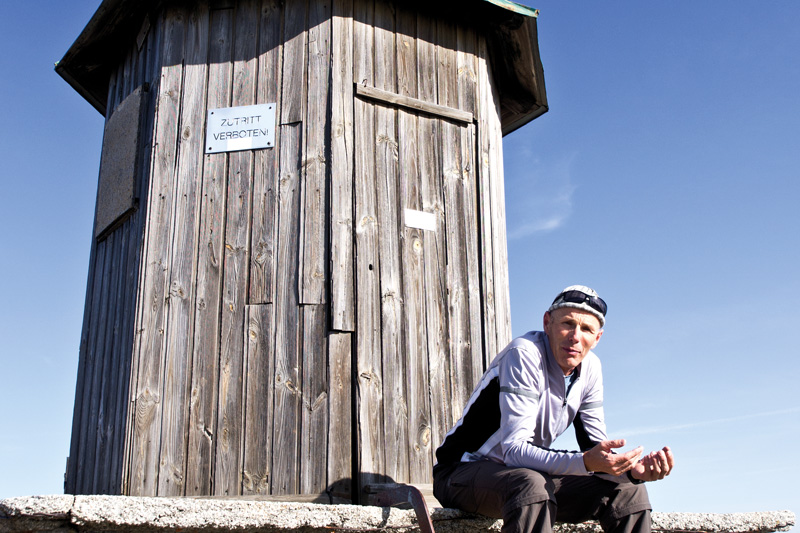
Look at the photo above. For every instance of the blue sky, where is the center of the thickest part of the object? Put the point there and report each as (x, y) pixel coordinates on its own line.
(666, 175)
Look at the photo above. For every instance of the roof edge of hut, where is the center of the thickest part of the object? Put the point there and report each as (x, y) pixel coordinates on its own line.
(87, 65)
(513, 48)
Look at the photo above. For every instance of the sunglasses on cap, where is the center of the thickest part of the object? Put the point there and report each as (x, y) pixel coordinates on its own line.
(578, 297)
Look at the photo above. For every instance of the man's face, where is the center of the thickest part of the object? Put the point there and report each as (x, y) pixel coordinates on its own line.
(572, 334)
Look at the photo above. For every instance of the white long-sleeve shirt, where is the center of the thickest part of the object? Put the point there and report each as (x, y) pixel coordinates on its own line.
(522, 403)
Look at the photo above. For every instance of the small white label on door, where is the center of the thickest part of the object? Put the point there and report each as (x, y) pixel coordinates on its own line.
(420, 220)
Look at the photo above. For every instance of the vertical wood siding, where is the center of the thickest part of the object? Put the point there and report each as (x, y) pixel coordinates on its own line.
(265, 322)
(227, 473)
(98, 451)
(205, 349)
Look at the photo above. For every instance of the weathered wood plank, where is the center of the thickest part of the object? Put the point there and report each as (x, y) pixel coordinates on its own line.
(101, 394)
(285, 434)
(468, 196)
(467, 98)
(341, 210)
(228, 451)
(152, 60)
(415, 331)
(293, 93)
(205, 355)
(414, 328)
(484, 194)
(386, 180)
(111, 99)
(123, 344)
(111, 430)
(314, 233)
(340, 407)
(152, 52)
(458, 304)
(80, 461)
(80, 445)
(129, 74)
(262, 262)
(100, 354)
(452, 169)
(183, 260)
(434, 271)
(498, 213)
(467, 69)
(433, 247)
(369, 387)
(406, 60)
(142, 43)
(110, 375)
(147, 425)
(258, 399)
(413, 104)
(313, 460)
(82, 391)
(427, 73)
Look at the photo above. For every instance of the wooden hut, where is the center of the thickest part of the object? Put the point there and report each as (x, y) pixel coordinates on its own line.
(309, 316)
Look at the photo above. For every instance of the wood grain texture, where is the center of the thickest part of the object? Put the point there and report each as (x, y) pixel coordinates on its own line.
(315, 219)
(124, 344)
(313, 460)
(75, 459)
(485, 150)
(467, 99)
(258, 404)
(83, 392)
(413, 104)
(340, 407)
(285, 433)
(93, 433)
(369, 386)
(468, 185)
(110, 376)
(395, 417)
(295, 88)
(412, 258)
(228, 450)
(205, 354)
(434, 246)
(496, 198)
(452, 172)
(342, 154)
(151, 54)
(270, 60)
(149, 394)
(183, 260)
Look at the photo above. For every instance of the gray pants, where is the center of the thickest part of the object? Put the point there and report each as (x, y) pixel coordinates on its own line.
(531, 502)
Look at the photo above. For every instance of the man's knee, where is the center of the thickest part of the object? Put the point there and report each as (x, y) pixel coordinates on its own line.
(631, 496)
(525, 487)
(629, 499)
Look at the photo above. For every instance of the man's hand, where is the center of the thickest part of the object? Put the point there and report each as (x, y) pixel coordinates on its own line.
(654, 466)
(600, 458)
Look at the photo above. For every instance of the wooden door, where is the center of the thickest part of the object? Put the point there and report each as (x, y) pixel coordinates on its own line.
(418, 302)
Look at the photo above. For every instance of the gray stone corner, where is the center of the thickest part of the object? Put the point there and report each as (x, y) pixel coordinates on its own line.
(123, 514)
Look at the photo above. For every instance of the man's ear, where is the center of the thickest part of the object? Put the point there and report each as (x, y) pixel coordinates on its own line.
(599, 334)
(546, 320)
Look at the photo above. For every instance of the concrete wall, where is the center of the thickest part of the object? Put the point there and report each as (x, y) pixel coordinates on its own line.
(187, 515)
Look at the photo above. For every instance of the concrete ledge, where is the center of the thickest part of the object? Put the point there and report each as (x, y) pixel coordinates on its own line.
(122, 514)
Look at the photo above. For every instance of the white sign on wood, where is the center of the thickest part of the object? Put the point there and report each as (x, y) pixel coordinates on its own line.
(420, 220)
(249, 127)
